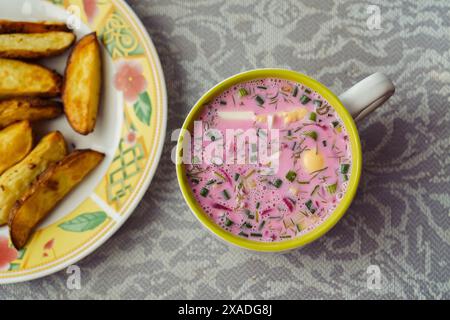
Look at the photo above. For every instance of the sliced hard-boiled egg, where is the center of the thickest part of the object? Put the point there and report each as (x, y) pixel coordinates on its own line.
(252, 184)
(288, 119)
(294, 115)
(261, 118)
(294, 191)
(300, 113)
(289, 223)
(265, 118)
(312, 160)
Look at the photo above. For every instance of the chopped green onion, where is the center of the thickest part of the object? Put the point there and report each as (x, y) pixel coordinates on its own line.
(307, 90)
(243, 234)
(305, 99)
(259, 100)
(315, 190)
(295, 92)
(285, 236)
(262, 87)
(291, 175)
(228, 222)
(248, 175)
(204, 192)
(256, 235)
(236, 176)
(331, 189)
(344, 168)
(317, 171)
(313, 116)
(323, 109)
(317, 103)
(309, 205)
(262, 225)
(226, 195)
(247, 225)
(311, 134)
(210, 182)
(249, 214)
(294, 145)
(299, 229)
(335, 123)
(277, 183)
(243, 92)
(258, 204)
(220, 176)
(345, 177)
(195, 181)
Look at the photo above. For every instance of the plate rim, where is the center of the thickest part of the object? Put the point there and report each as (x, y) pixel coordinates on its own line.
(111, 229)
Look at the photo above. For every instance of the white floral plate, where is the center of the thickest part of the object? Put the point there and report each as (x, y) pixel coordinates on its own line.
(130, 131)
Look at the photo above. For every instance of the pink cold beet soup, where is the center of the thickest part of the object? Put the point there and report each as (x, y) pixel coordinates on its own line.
(255, 198)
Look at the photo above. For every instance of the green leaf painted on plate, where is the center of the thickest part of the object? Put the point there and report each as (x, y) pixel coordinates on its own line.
(14, 266)
(84, 222)
(143, 108)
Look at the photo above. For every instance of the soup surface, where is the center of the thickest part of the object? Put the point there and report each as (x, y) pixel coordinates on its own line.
(293, 188)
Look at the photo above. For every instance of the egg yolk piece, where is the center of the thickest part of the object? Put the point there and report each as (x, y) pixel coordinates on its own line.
(312, 160)
(293, 116)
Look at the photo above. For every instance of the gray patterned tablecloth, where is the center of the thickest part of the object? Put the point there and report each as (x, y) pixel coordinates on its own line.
(400, 219)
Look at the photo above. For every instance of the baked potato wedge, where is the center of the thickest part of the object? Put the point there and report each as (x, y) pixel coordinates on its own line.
(35, 45)
(82, 85)
(47, 191)
(31, 109)
(16, 142)
(9, 26)
(18, 79)
(17, 179)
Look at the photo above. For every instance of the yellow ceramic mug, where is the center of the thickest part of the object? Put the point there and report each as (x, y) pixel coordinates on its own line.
(355, 103)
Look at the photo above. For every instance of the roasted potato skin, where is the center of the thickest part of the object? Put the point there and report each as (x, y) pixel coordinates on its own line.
(31, 109)
(22, 79)
(82, 84)
(16, 142)
(47, 191)
(35, 45)
(8, 26)
(15, 181)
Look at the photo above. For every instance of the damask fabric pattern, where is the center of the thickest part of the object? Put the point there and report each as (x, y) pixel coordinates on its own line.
(400, 219)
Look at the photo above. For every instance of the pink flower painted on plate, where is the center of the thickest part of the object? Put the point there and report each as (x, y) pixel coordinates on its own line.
(90, 8)
(49, 244)
(130, 80)
(7, 254)
(48, 248)
(131, 137)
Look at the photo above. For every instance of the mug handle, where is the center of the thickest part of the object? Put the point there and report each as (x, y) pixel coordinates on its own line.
(367, 95)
